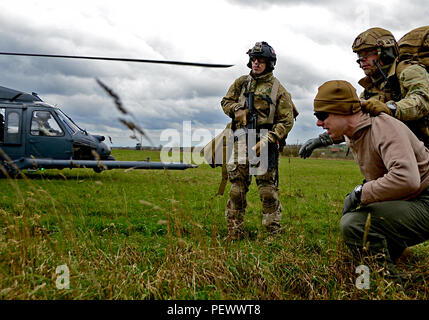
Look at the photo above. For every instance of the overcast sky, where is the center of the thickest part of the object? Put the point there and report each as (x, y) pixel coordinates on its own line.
(312, 40)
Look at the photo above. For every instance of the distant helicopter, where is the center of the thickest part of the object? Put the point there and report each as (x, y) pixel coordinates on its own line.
(35, 134)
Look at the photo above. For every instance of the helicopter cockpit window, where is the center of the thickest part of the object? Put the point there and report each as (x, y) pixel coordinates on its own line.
(44, 124)
(2, 117)
(13, 123)
(70, 125)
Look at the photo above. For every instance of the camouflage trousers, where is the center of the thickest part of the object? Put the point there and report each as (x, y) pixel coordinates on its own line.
(238, 175)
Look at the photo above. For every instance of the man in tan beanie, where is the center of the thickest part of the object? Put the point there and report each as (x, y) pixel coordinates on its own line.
(394, 197)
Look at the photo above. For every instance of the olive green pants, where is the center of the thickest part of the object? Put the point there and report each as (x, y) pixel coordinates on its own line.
(394, 225)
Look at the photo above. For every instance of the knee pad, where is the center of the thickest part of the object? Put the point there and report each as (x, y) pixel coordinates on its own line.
(237, 196)
(269, 198)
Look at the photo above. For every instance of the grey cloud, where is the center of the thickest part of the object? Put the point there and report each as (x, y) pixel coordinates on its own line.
(163, 97)
(394, 16)
(299, 79)
(258, 3)
(164, 48)
(163, 90)
(325, 36)
(360, 16)
(201, 110)
(71, 84)
(20, 36)
(397, 18)
(355, 15)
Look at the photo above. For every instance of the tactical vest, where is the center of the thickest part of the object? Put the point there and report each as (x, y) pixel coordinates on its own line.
(271, 100)
(384, 90)
(266, 118)
(218, 146)
(391, 91)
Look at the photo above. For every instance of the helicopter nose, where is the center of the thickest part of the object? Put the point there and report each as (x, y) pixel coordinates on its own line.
(103, 150)
(99, 138)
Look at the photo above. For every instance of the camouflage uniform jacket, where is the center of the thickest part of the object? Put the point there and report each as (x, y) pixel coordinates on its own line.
(261, 86)
(409, 90)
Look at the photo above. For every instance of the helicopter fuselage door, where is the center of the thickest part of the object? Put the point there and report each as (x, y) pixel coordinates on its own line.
(46, 136)
(11, 137)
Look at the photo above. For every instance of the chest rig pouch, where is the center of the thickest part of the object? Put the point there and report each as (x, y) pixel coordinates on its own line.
(270, 99)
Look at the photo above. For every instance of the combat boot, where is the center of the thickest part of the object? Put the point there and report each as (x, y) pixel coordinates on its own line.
(274, 228)
(271, 221)
(406, 255)
(234, 223)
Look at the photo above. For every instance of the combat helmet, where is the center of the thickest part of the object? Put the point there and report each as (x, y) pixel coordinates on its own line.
(263, 50)
(380, 39)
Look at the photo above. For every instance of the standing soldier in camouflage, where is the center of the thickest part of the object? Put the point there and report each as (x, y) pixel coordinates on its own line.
(400, 89)
(275, 112)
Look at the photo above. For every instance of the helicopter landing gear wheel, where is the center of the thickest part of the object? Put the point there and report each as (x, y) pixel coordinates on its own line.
(98, 169)
(7, 170)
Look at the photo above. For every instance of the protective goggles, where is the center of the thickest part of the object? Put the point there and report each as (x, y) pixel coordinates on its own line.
(369, 54)
(259, 59)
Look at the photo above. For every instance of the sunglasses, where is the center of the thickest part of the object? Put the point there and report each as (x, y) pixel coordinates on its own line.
(320, 115)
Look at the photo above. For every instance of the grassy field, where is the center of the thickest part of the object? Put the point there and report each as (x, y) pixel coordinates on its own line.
(160, 235)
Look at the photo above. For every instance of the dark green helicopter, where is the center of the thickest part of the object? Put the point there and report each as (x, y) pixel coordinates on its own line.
(36, 135)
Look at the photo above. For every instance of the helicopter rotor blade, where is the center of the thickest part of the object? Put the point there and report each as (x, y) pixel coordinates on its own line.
(182, 63)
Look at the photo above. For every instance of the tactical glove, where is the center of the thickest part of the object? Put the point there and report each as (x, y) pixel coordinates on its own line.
(321, 141)
(352, 200)
(262, 143)
(375, 107)
(241, 116)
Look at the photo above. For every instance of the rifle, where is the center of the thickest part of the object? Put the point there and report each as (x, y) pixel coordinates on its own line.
(252, 118)
(252, 122)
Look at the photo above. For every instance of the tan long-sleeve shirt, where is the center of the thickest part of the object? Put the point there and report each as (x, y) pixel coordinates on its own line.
(393, 161)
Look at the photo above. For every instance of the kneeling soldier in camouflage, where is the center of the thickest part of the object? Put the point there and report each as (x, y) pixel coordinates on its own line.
(275, 112)
(394, 197)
